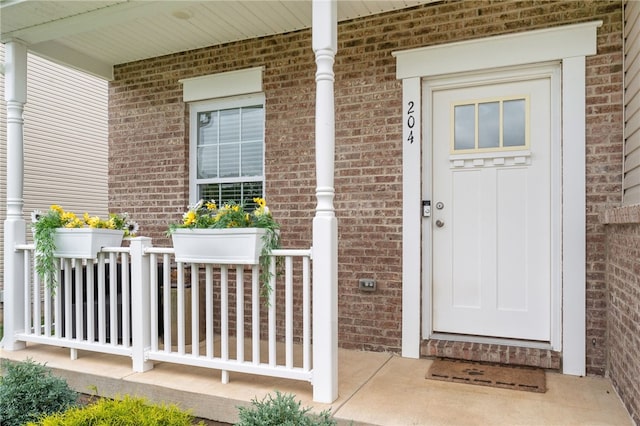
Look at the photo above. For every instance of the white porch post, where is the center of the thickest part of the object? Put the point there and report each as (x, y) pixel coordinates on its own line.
(140, 302)
(15, 94)
(325, 224)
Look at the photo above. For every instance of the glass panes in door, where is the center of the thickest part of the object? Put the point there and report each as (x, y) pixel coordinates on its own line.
(490, 125)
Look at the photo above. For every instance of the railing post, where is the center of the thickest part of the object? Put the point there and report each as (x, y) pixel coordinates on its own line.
(325, 224)
(14, 225)
(140, 303)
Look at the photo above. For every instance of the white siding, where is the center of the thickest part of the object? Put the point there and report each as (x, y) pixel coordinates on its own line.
(66, 141)
(631, 183)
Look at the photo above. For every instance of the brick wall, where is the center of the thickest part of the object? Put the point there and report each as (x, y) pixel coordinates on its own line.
(149, 151)
(623, 313)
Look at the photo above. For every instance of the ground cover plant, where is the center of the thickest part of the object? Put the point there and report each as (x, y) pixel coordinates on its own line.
(28, 390)
(128, 411)
(282, 409)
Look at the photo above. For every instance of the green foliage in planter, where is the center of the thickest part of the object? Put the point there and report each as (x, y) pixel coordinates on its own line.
(28, 390)
(207, 215)
(281, 410)
(128, 411)
(44, 231)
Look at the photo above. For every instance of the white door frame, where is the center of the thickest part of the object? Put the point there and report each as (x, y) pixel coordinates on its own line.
(577, 42)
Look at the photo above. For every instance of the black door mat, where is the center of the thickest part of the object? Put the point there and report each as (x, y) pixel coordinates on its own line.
(485, 374)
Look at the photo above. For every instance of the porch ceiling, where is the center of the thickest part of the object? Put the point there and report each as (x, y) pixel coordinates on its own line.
(93, 36)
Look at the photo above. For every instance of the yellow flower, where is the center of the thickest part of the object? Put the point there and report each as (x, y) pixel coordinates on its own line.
(93, 222)
(260, 201)
(236, 208)
(211, 205)
(68, 216)
(189, 217)
(57, 208)
(75, 223)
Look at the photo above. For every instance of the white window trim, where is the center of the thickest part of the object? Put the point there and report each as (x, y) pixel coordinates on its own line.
(569, 44)
(210, 105)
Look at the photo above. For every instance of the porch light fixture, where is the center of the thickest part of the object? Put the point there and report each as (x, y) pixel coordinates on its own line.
(181, 14)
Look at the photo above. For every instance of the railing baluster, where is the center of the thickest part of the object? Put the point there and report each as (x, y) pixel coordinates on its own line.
(224, 318)
(272, 314)
(91, 312)
(195, 311)
(102, 328)
(113, 299)
(240, 313)
(209, 310)
(153, 294)
(37, 299)
(306, 314)
(47, 309)
(126, 300)
(77, 272)
(27, 319)
(255, 314)
(180, 308)
(67, 300)
(289, 312)
(166, 297)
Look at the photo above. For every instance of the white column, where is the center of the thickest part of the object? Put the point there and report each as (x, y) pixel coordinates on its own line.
(140, 303)
(14, 226)
(325, 224)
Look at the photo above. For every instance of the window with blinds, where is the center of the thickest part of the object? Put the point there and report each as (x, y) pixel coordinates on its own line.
(228, 150)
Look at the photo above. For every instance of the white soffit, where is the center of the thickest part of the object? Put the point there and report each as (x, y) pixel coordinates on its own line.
(96, 35)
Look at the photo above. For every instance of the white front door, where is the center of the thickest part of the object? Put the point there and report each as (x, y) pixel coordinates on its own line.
(492, 207)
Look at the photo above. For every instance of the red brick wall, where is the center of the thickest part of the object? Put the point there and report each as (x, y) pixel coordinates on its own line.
(149, 152)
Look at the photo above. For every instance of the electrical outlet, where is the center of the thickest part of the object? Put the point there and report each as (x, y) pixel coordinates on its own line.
(367, 284)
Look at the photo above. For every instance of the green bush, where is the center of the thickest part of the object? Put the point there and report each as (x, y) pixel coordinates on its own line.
(128, 411)
(281, 410)
(29, 390)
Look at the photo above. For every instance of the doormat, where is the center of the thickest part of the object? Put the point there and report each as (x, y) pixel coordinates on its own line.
(484, 374)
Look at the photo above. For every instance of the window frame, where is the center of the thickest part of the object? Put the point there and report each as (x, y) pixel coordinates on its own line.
(215, 105)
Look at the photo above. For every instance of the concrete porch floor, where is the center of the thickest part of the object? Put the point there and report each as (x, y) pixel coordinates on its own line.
(375, 389)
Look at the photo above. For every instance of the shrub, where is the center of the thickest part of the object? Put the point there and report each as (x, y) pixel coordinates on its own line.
(128, 411)
(29, 390)
(281, 410)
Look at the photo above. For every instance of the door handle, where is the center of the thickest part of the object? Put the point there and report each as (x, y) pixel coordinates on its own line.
(439, 223)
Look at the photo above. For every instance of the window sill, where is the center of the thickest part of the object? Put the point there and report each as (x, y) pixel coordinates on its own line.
(621, 215)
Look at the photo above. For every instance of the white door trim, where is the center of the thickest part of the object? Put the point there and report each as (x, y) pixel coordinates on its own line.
(530, 47)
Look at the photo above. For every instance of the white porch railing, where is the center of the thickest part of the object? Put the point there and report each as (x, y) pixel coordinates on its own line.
(137, 301)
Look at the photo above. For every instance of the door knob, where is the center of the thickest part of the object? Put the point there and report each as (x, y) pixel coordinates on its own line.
(439, 223)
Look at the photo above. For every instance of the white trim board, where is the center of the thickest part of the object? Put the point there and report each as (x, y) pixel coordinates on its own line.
(530, 47)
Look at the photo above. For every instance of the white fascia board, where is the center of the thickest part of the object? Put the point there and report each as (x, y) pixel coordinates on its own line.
(499, 51)
(232, 83)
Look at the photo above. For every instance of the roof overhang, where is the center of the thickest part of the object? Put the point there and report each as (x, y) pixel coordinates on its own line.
(93, 36)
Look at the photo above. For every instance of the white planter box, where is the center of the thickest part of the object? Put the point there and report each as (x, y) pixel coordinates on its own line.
(236, 246)
(85, 243)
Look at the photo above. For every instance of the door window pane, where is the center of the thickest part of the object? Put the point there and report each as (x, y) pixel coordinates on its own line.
(489, 125)
(514, 123)
(464, 127)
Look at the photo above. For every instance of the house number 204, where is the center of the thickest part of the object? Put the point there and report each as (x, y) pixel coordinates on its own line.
(411, 120)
